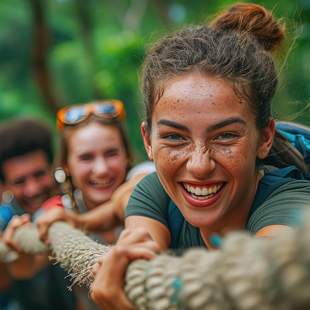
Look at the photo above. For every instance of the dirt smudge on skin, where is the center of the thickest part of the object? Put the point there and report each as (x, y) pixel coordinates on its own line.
(227, 152)
(176, 155)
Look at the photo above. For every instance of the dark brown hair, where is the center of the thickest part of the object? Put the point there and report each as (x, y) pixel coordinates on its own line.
(235, 46)
(23, 136)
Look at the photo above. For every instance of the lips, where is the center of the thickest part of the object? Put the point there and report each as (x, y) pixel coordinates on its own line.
(101, 183)
(202, 195)
(202, 190)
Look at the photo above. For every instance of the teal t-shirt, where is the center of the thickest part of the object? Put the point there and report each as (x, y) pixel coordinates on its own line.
(280, 196)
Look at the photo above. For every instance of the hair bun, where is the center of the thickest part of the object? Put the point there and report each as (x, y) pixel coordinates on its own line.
(254, 19)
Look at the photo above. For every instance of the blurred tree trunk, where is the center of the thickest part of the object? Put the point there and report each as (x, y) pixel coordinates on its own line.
(85, 19)
(41, 41)
(134, 14)
(162, 7)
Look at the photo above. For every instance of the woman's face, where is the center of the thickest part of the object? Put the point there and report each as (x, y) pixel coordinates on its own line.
(204, 143)
(97, 162)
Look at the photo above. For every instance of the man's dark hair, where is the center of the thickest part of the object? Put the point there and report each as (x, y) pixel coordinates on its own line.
(22, 136)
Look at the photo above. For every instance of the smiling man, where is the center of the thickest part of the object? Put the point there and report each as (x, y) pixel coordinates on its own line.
(26, 157)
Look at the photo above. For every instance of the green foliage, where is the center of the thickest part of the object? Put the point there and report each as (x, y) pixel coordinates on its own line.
(96, 48)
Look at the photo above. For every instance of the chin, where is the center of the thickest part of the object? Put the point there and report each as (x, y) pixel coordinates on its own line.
(200, 223)
(202, 220)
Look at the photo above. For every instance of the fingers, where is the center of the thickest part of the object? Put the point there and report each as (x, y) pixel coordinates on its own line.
(137, 243)
(97, 266)
(47, 219)
(120, 199)
(107, 288)
(14, 224)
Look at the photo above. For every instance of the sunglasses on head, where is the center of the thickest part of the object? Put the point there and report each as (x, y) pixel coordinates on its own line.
(106, 110)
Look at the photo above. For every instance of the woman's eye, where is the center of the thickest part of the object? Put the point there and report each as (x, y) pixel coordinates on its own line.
(173, 137)
(226, 136)
(85, 157)
(112, 153)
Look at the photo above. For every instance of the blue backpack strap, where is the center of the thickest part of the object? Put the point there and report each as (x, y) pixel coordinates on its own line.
(271, 181)
(291, 146)
(298, 136)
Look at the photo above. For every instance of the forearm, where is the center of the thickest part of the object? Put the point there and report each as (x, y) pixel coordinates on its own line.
(157, 231)
(272, 231)
(100, 219)
(26, 266)
(111, 213)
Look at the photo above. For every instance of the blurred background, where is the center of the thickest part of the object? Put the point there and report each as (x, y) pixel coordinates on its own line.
(59, 52)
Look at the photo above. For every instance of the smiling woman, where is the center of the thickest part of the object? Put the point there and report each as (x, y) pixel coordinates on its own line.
(210, 144)
(96, 155)
(96, 158)
(208, 128)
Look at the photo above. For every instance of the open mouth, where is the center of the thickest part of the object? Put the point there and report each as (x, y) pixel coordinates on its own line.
(101, 183)
(202, 192)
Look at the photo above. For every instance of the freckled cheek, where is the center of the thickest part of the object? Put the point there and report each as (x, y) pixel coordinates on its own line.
(168, 166)
(169, 159)
(222, 151)
(235, 161)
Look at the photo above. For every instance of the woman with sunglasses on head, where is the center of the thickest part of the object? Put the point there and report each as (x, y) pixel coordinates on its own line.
(208, 128)
(95, 156)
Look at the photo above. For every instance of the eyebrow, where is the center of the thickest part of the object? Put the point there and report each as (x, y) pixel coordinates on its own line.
(226, 122)
(169, 123)
(223, 123)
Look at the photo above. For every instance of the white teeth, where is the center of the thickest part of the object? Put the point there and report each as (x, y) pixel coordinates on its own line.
(202, 191)
(101, 183)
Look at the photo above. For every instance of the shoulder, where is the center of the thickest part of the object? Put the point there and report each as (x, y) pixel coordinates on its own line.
(52, 202)
(145, 167)
(150, 185)
(274, 179)
(280, 201)
(285, 182)
(149, 199)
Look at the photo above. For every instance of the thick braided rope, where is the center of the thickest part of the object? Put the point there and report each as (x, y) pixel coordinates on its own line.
(76, 252)
(70, 247)
(247, 273)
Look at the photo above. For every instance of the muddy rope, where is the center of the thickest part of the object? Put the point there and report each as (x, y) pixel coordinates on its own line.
(247, 273)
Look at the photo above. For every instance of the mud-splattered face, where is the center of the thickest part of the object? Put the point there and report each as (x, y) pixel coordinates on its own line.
(204, 143)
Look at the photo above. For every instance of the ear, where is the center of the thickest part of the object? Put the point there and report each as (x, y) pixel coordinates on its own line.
(146, 135)
(266, 139)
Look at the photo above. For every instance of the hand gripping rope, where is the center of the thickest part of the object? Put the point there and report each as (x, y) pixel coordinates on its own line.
(246, 273)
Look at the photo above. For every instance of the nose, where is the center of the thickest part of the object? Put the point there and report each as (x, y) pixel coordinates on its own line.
(200, 164)
(32, 188)
(100, 166)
